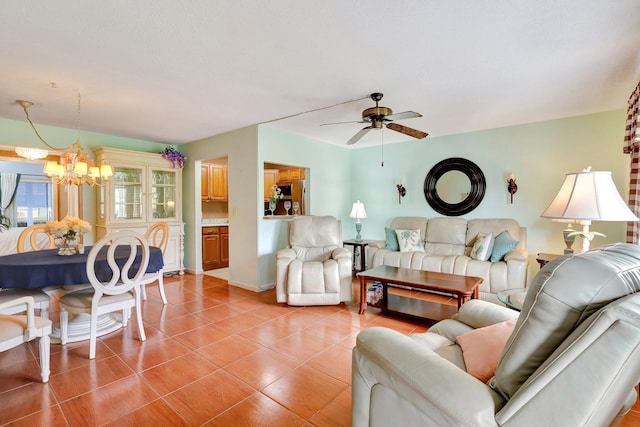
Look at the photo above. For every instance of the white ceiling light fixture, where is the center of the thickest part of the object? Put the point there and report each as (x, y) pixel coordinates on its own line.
(76, 168)
(31, 153)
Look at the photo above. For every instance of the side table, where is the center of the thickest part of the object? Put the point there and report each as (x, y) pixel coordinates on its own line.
(358, 247)
(543, 258)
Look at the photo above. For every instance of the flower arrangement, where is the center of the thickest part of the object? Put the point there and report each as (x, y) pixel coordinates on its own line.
(69, 228)
(276, 194)
(174, 156)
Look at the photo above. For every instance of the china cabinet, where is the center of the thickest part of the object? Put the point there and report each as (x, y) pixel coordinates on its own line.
(144, 189)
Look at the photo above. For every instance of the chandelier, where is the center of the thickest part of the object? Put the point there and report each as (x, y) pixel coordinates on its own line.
(75, 167)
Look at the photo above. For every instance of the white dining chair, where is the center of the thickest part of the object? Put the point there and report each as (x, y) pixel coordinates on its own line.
(157, 235)
(40, 298)
(19, 329)
(38, 239)
(119, 293)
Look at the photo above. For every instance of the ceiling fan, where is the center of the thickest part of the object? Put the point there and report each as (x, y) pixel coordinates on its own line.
(378, 116)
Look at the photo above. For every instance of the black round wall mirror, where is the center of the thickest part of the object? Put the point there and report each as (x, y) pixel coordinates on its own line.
(439, 196)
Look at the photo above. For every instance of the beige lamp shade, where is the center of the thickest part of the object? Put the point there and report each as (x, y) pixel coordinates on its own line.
(357, 211)
(589, 195)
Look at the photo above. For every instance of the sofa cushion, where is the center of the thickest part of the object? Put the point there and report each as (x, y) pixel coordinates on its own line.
(482, 348)
(503, 243)
(410, 241)
(481, 250)
(391, 239)
(410, 223)
(447, 230)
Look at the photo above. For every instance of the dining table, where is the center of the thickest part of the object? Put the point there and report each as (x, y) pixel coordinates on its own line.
(47, 269)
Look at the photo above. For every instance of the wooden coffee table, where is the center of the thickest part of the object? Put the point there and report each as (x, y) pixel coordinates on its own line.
(462, 287)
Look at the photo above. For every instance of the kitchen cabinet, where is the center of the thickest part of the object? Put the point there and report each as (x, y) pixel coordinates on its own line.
(215, 247)
(271, 178)
(143, 190)
(214, 182)
(293, 174)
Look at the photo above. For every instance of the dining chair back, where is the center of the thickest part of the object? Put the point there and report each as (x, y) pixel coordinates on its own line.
(16, 330)
(35, 234)
(38, 239)
(119, 293)
(157, 235)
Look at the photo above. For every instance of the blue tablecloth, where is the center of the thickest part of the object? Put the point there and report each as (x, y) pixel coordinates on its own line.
(44, 268)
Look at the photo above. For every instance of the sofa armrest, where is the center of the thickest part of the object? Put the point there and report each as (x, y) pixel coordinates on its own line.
(286, 253)
(439, 388)
(478, 313)
(338, 253)
(517, 255)
(378, 244)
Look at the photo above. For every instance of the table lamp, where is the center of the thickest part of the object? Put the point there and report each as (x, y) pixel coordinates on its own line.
(358, 212)
(588, 196)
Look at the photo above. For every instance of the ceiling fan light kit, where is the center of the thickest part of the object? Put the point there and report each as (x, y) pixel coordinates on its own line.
(380, 116)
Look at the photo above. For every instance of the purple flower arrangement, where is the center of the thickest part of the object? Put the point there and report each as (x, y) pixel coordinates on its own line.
(174, 156)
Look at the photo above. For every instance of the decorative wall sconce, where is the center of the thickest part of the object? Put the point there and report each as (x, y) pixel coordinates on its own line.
(512, 188)
(401, 192)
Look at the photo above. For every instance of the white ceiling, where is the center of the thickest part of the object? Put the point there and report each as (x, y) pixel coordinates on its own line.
(173, 72)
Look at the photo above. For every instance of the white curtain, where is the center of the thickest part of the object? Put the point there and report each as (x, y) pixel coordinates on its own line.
(8, 187)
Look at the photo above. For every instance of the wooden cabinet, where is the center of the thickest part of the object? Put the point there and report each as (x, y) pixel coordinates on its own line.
(271, 178)
(293, 174)
(144, 189)
(215, 247)
(214, 182)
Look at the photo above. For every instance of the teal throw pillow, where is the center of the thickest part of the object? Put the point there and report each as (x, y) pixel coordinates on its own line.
(503, 243)
(392, 239)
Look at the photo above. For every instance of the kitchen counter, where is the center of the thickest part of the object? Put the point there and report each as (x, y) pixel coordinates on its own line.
(214, 221)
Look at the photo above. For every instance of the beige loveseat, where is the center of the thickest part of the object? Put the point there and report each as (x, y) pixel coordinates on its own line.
(447, 245)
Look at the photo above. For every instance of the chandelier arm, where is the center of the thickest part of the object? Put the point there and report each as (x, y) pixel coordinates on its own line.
(40, 137)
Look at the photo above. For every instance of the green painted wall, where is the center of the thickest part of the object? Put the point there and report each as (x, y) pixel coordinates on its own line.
(539, 154)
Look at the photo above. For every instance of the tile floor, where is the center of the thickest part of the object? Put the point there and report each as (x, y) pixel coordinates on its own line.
(215, 356)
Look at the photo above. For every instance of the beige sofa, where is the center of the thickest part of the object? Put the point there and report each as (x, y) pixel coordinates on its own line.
(447, 245)
(572, 357)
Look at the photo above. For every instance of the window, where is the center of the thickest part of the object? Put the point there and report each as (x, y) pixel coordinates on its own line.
(34, 202)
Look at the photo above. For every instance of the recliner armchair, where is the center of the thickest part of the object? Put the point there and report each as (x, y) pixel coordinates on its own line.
(572, 359)
(315, 269)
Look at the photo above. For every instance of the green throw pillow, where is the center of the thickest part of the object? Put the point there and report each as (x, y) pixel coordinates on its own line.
(503, 243)
(392, 239)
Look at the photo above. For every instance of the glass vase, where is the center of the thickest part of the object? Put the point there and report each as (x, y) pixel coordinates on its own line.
(272, 206)
(66, 245)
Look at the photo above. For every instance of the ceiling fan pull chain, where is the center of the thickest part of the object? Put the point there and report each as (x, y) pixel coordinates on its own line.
(382, 146)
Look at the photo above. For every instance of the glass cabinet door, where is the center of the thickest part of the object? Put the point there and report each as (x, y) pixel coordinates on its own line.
(163, 194)
(128, 195)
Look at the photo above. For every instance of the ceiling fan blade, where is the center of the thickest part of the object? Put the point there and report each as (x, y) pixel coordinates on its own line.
(403, 115)
(355, 138)
(339, 123)
(407, 131)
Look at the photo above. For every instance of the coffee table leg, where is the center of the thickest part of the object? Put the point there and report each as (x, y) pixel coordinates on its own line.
(363, 295)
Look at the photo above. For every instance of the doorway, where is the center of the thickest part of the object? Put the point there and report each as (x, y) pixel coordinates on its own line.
(215, 214)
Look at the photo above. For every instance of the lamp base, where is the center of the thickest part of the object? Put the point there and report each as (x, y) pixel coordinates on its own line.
(568, 240)
(358, 229)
